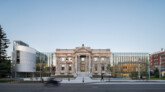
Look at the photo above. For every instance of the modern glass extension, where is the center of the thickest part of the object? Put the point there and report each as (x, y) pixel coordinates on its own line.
(129, 65)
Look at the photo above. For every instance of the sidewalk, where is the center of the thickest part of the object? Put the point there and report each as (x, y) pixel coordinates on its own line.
(112, 81)
(106, 80)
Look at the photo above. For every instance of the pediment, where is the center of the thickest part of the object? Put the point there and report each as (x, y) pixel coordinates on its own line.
(82, 50)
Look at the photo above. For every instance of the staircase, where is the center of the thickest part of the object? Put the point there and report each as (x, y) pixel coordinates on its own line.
(83, 76)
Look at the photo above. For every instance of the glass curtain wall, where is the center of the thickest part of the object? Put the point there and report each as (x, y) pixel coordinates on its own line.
(126, 65)
(41, 65)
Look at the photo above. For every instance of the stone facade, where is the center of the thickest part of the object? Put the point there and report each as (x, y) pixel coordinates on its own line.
(82, 60)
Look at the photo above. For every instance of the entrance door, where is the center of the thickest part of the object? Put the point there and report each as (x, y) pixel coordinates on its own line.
(82, 67)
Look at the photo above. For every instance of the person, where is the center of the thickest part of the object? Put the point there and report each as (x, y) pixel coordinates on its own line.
(102, 77)
(52, 81)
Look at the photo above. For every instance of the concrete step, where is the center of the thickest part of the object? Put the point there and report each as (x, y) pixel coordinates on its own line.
(82, 74)
(83, 78)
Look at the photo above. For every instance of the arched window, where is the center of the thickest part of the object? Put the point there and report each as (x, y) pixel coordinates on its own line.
(62, 59)
(102, 59)
(95, 58)
(95, 67)
(62, 67)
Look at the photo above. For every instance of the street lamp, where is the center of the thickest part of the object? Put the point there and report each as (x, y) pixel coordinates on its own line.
(68, 62)
(139, 61)
(160, 66)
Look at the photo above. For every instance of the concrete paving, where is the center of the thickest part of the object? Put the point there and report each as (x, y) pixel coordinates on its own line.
(112, 81)
(86, 79)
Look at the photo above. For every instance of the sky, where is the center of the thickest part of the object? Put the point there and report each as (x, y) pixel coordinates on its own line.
(120, 25)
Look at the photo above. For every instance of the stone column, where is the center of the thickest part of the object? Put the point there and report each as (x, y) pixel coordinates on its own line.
(86, 68)
(90, 64)
(76, 64)
(58, 66)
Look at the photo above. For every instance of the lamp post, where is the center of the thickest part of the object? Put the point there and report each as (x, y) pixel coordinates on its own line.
(109, 70)
(160, 66)
(139, 68)
(68, 62)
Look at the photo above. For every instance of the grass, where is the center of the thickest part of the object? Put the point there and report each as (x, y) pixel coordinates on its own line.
(64, 76)
(158, 78)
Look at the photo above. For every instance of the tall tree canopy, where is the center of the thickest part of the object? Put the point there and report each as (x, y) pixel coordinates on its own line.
(4, 61)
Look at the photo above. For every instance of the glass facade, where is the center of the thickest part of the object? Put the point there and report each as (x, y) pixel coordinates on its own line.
(41, 65)
(44, 64)
(126, 65)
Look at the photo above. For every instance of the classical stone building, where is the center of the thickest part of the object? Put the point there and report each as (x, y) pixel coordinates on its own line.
(82, 60)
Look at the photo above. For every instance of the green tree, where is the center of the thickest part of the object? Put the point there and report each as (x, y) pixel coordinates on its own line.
(144, 74)
(4, 61)
(156, 73)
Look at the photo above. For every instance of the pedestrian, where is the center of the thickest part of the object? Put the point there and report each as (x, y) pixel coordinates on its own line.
(102, 77)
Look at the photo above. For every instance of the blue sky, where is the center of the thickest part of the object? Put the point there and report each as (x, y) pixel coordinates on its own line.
(121, 25)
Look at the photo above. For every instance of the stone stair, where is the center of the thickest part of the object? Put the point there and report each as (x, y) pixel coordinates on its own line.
(83, 76)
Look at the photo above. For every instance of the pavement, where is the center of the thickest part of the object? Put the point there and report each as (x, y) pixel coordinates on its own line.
(112, 81)
(105, 81)
(118, 82)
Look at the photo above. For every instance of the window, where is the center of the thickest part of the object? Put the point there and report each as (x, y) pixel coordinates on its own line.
(124, 67)
(83, 59)
(95, 67)
(155, 56)
(102, 67)
(18, 61)
(70, 67)
(54, 68)
(69, 59)
(62, 59)
(18, 57)
(95, 58)
(102, 59)
(63, 67)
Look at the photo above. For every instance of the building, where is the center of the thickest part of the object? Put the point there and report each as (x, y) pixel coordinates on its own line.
(82, 61)
(157, 60)
(51, 62)
(28, 62)
(23, 59)
(124, 64)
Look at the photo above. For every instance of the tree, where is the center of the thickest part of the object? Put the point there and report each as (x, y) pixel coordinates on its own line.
(4, 61)
(156, 73)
